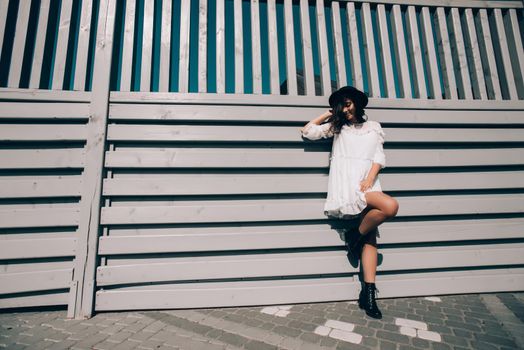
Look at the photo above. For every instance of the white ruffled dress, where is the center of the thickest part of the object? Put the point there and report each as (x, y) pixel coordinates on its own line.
(354, 151)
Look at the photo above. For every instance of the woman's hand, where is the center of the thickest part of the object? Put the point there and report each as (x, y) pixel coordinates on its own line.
(366, 184)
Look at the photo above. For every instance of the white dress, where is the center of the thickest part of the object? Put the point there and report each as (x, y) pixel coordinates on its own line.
(354, 151)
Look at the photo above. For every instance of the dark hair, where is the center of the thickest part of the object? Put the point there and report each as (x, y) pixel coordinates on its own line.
(339, 119)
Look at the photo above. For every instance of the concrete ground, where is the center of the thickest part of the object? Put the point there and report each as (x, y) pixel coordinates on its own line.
(474, 321)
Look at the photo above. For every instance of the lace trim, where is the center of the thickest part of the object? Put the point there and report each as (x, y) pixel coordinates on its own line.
(366, 128)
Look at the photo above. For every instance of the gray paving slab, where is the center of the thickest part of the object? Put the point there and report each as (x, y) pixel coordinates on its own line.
(474, 321)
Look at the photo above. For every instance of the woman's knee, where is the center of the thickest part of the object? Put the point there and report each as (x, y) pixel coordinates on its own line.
(391, 208)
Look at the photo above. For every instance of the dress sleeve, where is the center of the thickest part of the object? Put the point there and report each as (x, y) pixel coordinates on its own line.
(380, 157)
(316, 132)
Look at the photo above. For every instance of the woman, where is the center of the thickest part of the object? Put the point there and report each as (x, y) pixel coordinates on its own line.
(354, 189)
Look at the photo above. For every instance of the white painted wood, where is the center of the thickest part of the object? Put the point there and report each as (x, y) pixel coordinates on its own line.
(183, 68)
(387, 62)
(374, 85)
(220, 46)
(42, 132)
(518, 47)
(40, 217)
(448, 72)
(338, 46)
(256, 53)
(307, 50)
(274, 80)
(222, 294)
(239, 48)
(13, 94)
(325, 75)
(4, 5)
(46, 299)
(127, 47)
(503, 42)
(303, 209)
(147, 46)
(402, 58)
(83, 45)
(434, 79)
(22, 21)
(202, 46)
(463, 68)
(492, 75)
(38, 55)
(35, 281)
(41, 158)
(37, 110)
(451, 3)
(43, 265)
(62, 186)
(416, 54)
(290, 48)
(37, 248)
(88, 225)
(165, 47)
(478, 85)
(61, 45)
(356, 64)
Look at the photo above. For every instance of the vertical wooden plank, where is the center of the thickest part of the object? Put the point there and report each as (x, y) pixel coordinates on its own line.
(255, 43)
(402, 64)
(416, 54)
(221, 46)
(374, 85)
(22, 20)
(432, 55)
(83, 45)
(89, 221)
(273, 47)
(202, 46)
(387, 62)
(503, 41)
(494, 84)
(461, 52)
(339, 46)
(127, 47)
(183, 74)
(165, 47)
(307, 49)
(292, 89)
(147, 46)
(519, 49)
(239, 48)
(325, 75)
(4, 5)
(448, 71)
(358, 81)
(61, 46)
(479, 85)
(38, 56)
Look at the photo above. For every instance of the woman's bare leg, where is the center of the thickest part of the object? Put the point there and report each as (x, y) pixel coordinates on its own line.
(381, 207)
(369, 259)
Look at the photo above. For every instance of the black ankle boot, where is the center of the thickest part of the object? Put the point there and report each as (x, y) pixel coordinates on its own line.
(367, 301)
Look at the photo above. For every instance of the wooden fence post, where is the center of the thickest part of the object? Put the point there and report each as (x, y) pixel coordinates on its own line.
(88, 230)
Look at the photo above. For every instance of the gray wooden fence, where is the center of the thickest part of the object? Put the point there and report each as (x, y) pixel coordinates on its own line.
(117, 199)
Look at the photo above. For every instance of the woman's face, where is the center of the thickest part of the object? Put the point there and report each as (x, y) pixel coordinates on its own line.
(349, 109)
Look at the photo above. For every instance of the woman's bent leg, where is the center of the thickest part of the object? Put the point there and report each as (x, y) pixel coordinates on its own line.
(381, 207)
(369, 258)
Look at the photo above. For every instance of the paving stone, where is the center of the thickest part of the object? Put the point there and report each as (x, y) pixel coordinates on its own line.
(346, 336)
(386, 345)
(395, 337)
(287, 331)
(258, 345)
(480, 345)
(345, 326)
(311, 338)
(441, 346)
(429, 335)
(420, 343)
(495, 340)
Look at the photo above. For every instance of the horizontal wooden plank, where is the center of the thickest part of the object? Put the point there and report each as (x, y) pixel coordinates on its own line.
(295, 264)
(47, 299)
(62, 186)
(318, 101)
(42, 158)
(292, 134)
(412, 114)
(215, 184)
(43, 110)
(176, 240)
(29, 265)
(35, 281)
(42, 132)
(39, 217)
(37, 248)
(302, 158)
(451, 3)
(274, 292)
(24, 94)
(301, 209)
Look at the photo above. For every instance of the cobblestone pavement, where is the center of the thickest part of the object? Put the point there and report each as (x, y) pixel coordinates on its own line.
(475, 321)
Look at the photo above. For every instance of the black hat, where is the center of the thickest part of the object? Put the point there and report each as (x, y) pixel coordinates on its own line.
(350, 92)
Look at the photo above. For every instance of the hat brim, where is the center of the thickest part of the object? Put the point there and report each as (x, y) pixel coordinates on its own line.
(350, 92)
